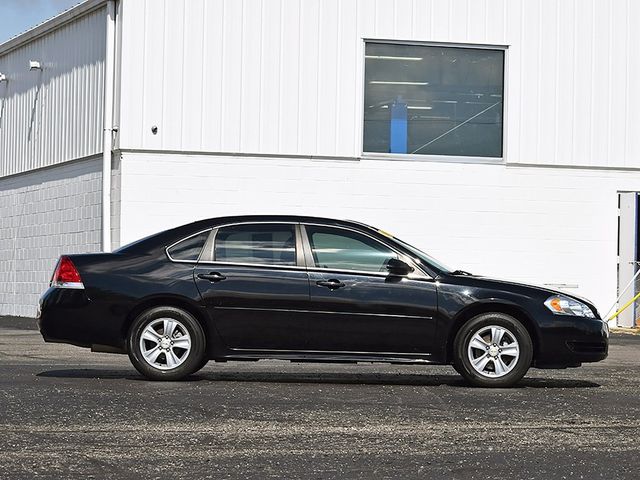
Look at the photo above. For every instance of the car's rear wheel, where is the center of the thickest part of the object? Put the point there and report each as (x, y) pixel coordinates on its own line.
(166, 343)
(493, 350)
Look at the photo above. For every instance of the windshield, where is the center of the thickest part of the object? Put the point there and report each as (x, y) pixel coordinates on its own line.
(423, 256)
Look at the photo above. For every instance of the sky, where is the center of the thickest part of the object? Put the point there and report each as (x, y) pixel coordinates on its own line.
(16, 16)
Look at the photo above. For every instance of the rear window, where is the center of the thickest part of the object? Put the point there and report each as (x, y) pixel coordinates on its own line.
(188, 249)
(256, 244)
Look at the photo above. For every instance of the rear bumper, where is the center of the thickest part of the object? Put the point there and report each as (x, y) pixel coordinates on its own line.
(570, 341)
(62, 316)
(70, 316)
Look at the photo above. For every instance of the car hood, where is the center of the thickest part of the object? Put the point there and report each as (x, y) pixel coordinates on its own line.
(478, 280)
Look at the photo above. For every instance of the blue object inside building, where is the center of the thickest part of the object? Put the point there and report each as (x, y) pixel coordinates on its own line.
(398, 127)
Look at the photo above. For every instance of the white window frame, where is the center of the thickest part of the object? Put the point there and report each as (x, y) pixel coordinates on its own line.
(435, 158)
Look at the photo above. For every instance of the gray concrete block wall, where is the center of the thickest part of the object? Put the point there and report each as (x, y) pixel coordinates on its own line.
(44, 214)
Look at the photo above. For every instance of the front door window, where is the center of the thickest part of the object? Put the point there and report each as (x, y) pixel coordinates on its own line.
(335, 249)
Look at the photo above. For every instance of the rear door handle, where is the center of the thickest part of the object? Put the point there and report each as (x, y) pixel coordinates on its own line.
(212, 276)
(332, 284)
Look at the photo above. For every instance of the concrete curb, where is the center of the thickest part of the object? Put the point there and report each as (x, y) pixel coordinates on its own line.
(626, 330)
(19, 323)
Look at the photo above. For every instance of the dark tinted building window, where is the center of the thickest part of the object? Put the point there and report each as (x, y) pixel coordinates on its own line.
(260, 244)
(433, 100)
(190, 248)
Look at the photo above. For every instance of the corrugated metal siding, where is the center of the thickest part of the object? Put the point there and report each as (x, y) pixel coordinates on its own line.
(285, 76)
(54, 115)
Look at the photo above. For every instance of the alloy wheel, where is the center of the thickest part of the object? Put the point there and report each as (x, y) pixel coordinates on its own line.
(165, 343)
(493, 351)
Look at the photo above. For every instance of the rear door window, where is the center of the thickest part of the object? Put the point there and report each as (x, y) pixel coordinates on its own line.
(262, 244)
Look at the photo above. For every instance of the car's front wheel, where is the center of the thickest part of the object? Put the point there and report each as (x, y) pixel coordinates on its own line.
(166, 343)
(493, 350)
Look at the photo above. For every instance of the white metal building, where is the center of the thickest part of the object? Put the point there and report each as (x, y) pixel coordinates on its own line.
(497, 135)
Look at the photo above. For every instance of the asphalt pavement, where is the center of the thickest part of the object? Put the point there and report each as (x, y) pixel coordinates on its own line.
(68, 413)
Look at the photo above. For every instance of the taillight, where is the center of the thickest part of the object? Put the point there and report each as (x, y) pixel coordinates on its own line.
(66, 275)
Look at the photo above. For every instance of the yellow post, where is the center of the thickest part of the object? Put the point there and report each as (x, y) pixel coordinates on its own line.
(624, 307)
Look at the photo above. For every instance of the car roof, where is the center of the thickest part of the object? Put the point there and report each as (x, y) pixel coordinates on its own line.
(275, 218)
(159, 241)
(169, 236)
(280, 218)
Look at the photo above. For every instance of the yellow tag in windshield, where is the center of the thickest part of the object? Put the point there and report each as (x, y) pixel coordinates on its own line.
(386, 234)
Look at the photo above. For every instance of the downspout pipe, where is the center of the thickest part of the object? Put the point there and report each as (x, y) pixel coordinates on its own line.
(107, 141)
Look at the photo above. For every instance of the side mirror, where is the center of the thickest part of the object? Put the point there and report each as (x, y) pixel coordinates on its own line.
(398, 267)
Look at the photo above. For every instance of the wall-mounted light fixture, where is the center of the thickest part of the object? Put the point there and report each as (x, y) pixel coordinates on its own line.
(34, 65)
(3, 77)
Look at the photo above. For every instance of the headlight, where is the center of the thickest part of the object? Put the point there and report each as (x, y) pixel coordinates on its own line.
(561, 305)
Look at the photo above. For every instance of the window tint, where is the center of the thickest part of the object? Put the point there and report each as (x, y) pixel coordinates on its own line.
(433, 100)
(262, 244)
(345, 250)
(190, 248)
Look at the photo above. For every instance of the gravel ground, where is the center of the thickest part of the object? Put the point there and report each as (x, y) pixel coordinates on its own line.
(68, 413)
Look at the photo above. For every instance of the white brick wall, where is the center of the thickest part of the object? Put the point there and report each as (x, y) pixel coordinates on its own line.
(531, 224)
(44, 214)
(115, 202)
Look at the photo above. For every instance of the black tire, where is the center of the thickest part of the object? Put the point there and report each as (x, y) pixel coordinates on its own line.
(203, 364)
(192, 360)
(514, 330)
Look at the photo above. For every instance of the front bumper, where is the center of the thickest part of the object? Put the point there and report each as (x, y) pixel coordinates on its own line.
(567, 341)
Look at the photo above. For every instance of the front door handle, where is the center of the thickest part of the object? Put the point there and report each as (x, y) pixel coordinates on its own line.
(212, 276)
(332, 284)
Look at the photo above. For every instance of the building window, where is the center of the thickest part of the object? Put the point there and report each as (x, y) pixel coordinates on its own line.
(433, 100)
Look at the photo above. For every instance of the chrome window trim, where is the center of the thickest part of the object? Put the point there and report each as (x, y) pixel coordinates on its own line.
(411, 276)
(166, 250)
(306, 246)
(418, 272)
(209, 244)
(300, 258)
(253, 265)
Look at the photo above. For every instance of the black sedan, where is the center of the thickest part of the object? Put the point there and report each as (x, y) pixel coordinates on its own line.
(308, 289)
